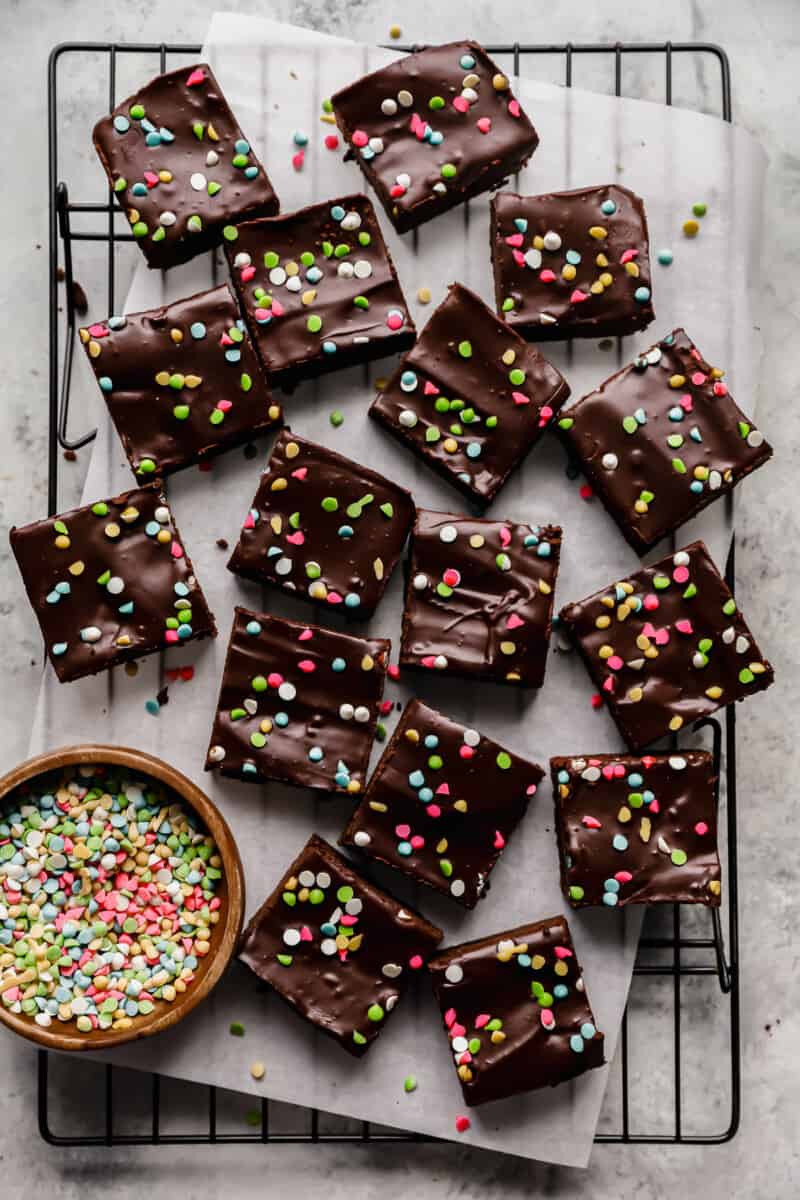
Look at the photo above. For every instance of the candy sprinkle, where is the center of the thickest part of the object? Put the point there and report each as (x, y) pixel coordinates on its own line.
(665, 258)
(699, 209)
(410, 1083)
(107, 889)
(691, 228)
(395, 32)
(337, 418)
(236, 1028)
(462, 1124)
(258, 1070)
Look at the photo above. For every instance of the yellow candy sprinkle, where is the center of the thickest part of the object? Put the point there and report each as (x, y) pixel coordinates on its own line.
(714, 692)
(508, 647)
(606, 279)
(544, 587)
(714, 887)
(378, 806)
(597, 288)
(476, 541)
(623, 611)
(500, 83)
(497, 1037)
(112, 530)
(76, 568)
(377, 567)
(309, 297)
(560, 967)
(509, 357)
(278, 485)
(441, 846)
(94, 349)
(413, 735)
(624, 814)
(258, 1070)
(450, 445)
(601, 260)
(602, 622)
(212, 133)
(367, 662)
(162, 378)
(460, 806)
(675, 724)
(538, 242)
(605, 651)
(165, 176)
(176, 335)
(276, 523)
(63, 542)
(644, 829)
(632, 269)
(424, 295)
(568, 272)
(691, 228)
(192, 381)
(266, 725)
(537, 962)
(635, 695)
(640, 506)
(273, 412)
(292, 450)
(291, 268)
(598, 232)
(676, 381)
(353, 786)
(84, 335)
(164, 537)
(395, 31)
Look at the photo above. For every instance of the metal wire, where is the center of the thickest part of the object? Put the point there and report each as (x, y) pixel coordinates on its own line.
(713, 955)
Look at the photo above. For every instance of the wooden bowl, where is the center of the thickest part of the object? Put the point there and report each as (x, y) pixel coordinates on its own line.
(225, 934)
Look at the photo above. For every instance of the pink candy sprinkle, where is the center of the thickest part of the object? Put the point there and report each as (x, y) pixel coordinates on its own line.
(298, 159)
(461, 104)
(481, 1020)
(176, 550)
(628, 255)
(247, 274)
(684, 626)
(499, 840)
(562, 952)
(462, 1124)
(578, 296)
(305, 636)
(513, 108)
(547, 276)
(484, 124)
(597, 700)
(359, 138)
(623, 876)
(433, 810)
(680, 574)
(650, 602)
(586, 492)
(417, 842)
(521, 398)
(514, 622)
(307, 665)
(505, 536)
(698, 378)
(514, 239)
(331, 142)
(591, 822)
(394, 321)
(720, 388)
(402, 831)
(197, 76)
(466, 752)
(393, 671)
(415, 962)
(274, 679)
(701, 829)
(547, 1018)
(615, 662)
(452, 577)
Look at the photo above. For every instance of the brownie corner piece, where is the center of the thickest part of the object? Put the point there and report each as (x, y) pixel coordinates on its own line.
(323, 527)
(110, 581)
(181, 382)
(637, 830)
(666, 646)
(297, 704)
(180, 166)
(572, 264)
(470, 398)
(662, 439)
(479, 597)
(434, 128)
(338, 949)
(318, 289)
(516, 1011)
(442, 804)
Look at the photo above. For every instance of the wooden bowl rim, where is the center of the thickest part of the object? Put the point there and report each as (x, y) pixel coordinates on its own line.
(227, 935)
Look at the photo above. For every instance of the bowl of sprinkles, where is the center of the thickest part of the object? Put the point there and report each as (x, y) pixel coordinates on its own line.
(121, 897)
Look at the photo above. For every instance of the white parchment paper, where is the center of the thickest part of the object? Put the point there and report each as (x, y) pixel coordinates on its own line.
(275, 77)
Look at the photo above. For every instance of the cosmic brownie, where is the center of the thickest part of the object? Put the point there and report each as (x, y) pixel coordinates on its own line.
(666, 646)
(181, 382)
(433, 129)
(637, 830)
(572, 264)
(110, 582)
(471, 397)
(181, 167)
(661, 439)
(516, 1011)
(479, 597)
(297, 703)
(442, 803)
(335, 947)
(323, 527)
(319, 290)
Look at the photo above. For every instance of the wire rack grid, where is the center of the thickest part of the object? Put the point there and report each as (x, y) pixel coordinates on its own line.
(675, 950)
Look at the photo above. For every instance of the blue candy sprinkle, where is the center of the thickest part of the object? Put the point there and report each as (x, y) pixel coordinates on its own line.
(404, 848)
(345, 531)
(338, 664)
(425, 795)
(588, 1031)
(105, 383)
(329, 347)
(466, 62)
(611, 885)
(233, 355)
(431, 741)
(241, 146)
(473, 450)
(121, 124)
(281, 719)
(620, 841)
(521, 224)
(197, 329)
(250, 172)
(316, 754)
(416, 779)
(153, 707)
(635, 780)
(576, 1043)
(153, 139)
(408, 381)
(608, 207)
(642, 295)
(313, 274)
(573, 257)
(337, 212)
(352, 600)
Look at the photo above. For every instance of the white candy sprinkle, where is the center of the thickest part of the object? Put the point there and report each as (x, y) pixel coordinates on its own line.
(362, 714)
(610, 462)
(346, 712)
(653, 357)
(681, 559)
(546, 319)
(551, 240)
(448, 533)
(167, 218)
(420, 582)
(533, 259)
(362, 269)
(457, 887)
(677, 763)
(391, 970)
(459, 1044)
(291, 937)
(403, 180)
(728, 635)
(345, 270)
(353, 907)
(328, 946)
(323, 880)
(91, 634)
(352, 220)
(198, 181)
(294, 283)
(283, 566)
(662, 845)
(440, 662)
(390, 1002)
(287, 691)
(115, 585)
(471, 737)
(250, 705)
(307, 878)
(389, 107)
(277, 276)
(361, 838)
(454, 974)
(216, 753)
(242, 259)
(408, 418)
(714, 481)
(212, 158)
(591, 774)
(470, 94)
(162, 514)
(376, 146)
(742, 645)
(405, 99)
(440, 188)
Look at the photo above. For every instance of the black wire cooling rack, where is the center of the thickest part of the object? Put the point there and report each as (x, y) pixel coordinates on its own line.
(659, 1083)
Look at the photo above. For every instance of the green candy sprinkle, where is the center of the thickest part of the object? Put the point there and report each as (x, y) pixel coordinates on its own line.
(139, 230)
(329, 504)
(566, 423)
(630, 424)
(576, 892)
(729, 607)
(448, 171)
(446, 867)
(359, 1038)
(388, 510)
(271, 259)
(285, 960)
(361, 301)
(436, 102)
(746, 675)
(336, 418)
(465, 349)
(314, 323)
(229, 232)
(375, 1013)
(679, 857)
(516, 376)
(136, 111)
(503, 760)
(410, 1083)
(236, 1028)
(699, 209)
(181, 411)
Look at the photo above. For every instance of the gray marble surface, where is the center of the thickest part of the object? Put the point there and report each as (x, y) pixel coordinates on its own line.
(763, 42)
